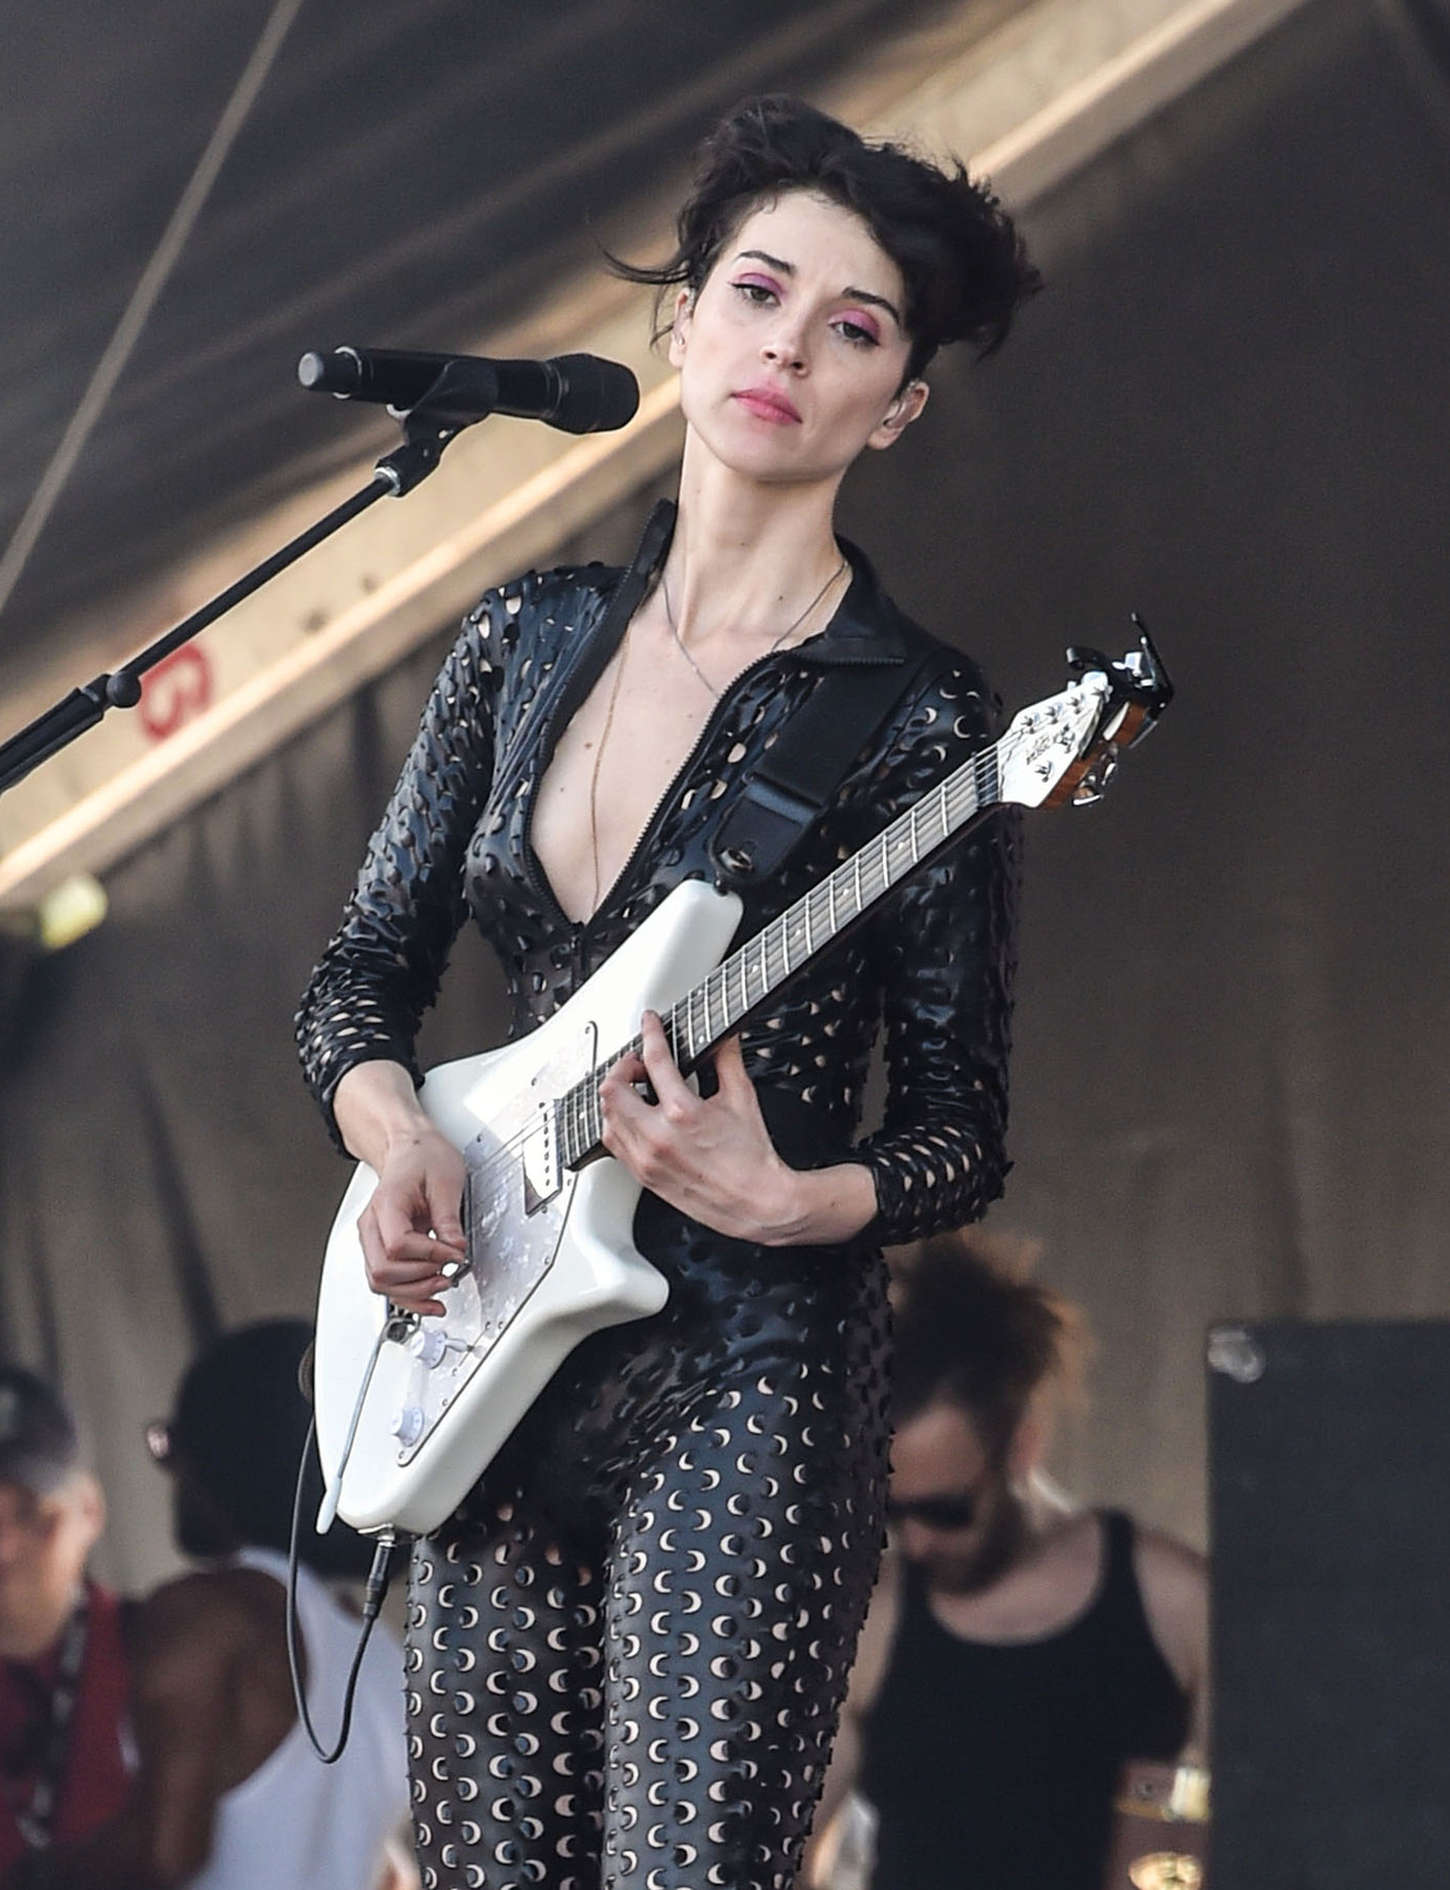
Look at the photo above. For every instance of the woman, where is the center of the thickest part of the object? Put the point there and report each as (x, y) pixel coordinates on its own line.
(629, 1647)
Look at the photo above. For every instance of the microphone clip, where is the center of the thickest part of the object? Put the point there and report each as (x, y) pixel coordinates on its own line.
(464, 392)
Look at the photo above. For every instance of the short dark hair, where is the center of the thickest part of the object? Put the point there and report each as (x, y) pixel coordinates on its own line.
(968, 1334)
(240, 1424)
(39, 1444)
(964, 264)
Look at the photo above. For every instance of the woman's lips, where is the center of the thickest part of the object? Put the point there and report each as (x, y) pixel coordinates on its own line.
(768, 405)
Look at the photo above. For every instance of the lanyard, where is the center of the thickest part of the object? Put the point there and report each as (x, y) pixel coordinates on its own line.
(36, 1821)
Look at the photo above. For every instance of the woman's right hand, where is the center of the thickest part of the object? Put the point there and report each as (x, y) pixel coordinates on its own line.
(413, 1226)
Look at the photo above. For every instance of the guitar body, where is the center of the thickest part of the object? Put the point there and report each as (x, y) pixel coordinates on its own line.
(551, 1250)
(410, 1411)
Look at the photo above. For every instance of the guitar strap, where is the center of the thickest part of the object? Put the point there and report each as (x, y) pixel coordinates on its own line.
(800, 774)
(798, 777)
(35, 1819)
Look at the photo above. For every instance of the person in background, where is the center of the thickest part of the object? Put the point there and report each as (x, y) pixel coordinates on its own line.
(1020, 1651)
(229, 1795)
(65, 1748)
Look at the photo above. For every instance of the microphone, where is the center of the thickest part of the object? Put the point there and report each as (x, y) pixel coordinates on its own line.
(579, 393)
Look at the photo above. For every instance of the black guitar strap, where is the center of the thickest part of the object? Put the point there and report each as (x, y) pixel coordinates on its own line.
(799, 775)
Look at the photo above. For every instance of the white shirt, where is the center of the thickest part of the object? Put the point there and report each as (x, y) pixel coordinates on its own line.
(297, 1824)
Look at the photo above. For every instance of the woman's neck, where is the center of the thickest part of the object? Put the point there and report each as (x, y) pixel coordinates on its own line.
(747, 557)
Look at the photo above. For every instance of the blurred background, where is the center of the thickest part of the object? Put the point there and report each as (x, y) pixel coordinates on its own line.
(1228, 411)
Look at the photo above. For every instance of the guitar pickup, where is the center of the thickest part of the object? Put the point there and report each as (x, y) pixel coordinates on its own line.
(542, 1175)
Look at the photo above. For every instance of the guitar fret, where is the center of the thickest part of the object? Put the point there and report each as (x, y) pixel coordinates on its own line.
(745, 979)
(678, 1034)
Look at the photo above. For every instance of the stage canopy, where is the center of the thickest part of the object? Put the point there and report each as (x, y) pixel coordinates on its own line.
(1227, 412)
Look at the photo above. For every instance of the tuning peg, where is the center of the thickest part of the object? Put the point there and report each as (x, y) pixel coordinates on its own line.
(1094, 783)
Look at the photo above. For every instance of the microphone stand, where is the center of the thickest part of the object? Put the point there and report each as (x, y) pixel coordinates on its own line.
(455, 400)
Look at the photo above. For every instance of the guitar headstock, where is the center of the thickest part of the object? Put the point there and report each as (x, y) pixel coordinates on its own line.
(1066, 748)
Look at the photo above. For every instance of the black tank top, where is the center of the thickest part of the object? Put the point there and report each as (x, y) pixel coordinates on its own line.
(992, 1765)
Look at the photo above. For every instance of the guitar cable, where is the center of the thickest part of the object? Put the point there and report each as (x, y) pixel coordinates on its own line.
(373, 1595)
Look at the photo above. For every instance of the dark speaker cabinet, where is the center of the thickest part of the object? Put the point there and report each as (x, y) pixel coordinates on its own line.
(1330, 1501)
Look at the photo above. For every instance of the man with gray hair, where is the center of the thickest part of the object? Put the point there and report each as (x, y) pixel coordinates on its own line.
(65, 1746)
(227, 1793)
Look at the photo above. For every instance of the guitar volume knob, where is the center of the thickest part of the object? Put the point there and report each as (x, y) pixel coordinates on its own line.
(408, 1424)
(429, 1345)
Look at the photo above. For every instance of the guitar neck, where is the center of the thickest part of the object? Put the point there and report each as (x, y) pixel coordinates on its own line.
(744, 980)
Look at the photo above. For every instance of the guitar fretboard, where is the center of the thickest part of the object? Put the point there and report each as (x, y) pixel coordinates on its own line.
(743, 981)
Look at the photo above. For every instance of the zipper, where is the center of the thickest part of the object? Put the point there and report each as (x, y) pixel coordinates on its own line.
(646, 832)
(538, 882)
(533, 872)
(646, 555)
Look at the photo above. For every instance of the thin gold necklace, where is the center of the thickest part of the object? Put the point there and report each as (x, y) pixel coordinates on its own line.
(598, 758)
(788, 630)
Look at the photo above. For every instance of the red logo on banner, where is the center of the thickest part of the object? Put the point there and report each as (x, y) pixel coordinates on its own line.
(176, 691)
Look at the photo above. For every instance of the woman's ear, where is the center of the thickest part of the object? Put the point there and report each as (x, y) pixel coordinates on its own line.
(905, 407)
(680, 325)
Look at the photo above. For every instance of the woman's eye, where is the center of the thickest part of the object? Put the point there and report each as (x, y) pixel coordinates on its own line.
(757, 292)
(854, 332)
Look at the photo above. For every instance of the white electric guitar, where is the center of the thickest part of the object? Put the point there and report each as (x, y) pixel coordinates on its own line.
(409, 1410)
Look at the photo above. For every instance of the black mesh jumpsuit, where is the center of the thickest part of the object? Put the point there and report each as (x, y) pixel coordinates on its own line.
(628, 1649)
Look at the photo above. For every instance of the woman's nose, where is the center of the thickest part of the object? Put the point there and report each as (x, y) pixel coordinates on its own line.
(785, 348)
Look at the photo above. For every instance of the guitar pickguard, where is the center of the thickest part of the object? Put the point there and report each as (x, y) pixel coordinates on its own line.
(513, 1235)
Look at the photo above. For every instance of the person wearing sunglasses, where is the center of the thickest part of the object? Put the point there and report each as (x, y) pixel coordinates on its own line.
(1020, 1651)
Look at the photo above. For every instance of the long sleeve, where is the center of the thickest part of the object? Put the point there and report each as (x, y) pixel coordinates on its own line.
(945, 952)
(382, 968)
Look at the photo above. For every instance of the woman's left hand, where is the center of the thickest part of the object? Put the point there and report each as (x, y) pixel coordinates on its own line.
(710, 1157)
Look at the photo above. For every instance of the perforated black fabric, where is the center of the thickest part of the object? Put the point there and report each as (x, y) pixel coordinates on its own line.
(937, 959)
(628, 1650)
(627, 1653)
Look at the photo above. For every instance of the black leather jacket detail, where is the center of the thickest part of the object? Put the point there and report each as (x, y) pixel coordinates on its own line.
(934, 963)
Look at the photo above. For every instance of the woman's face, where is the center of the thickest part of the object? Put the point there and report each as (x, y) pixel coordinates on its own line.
(792, 353)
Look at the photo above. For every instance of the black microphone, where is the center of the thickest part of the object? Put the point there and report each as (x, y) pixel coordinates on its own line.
(579, 393)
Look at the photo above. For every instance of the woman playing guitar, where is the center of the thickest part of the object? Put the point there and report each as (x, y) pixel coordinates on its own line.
(629, 1646)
